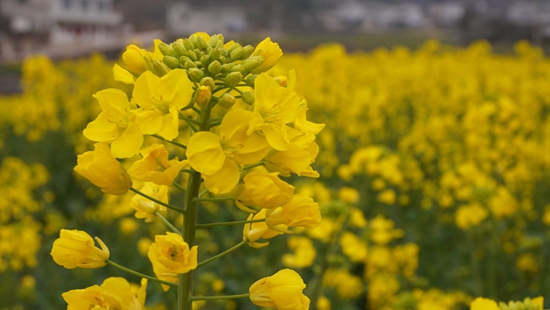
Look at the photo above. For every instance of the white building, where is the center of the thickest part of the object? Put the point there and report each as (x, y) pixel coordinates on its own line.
(182, 18)
(30, 25)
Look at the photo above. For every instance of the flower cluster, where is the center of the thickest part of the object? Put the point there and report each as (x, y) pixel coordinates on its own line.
(237, 129)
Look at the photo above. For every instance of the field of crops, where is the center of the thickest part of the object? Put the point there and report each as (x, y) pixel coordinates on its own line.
(433, 186)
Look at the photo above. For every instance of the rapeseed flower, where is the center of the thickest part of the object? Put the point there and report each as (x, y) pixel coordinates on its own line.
(75, 248)
(283, 291)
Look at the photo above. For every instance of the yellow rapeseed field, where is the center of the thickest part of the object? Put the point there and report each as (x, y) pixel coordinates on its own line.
(434, 184)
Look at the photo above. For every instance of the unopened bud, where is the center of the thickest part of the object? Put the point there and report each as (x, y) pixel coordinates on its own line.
(248, 97)
(223, 51)
(252, 63)
(205, 61)
(188, 45)
(171, 62)
(237, 68)
(247, 51)
(202, 96)
(148, 61)
(225, 68)
(193, 40)
(250, 79)
(167, 50)
(184, 59)
(191, 55)
(222, 59)
(198, 53)
(233, 78)
(226, 101)
(178, 48)
(233, 47)
(161, 68)
(215, 54)
(189, 65)
(208, 81)
(236, 54)
(216, 40)
(201, 43)
(281, 80)
(195, 74)
(215, 67)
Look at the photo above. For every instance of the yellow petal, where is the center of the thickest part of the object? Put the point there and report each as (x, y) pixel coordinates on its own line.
(176, 88)
(123, 75)
(205, 152)
(145, 88)
(129, 143)
(225, 179)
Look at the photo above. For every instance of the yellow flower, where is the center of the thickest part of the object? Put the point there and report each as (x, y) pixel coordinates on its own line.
(114, 293)
(283, 291)
(155, 166)
(219, 156)
(255, 231)
(171, 256)
(481, 303)
(145, 208)
(75, 248)
(304, 252)
(299, 212)
(264, 190)
(160, 100)
(133, 59)
(353, 247)
(297, 158)
(275, 106)
(115, 124)
(270, 51)
(102, 169)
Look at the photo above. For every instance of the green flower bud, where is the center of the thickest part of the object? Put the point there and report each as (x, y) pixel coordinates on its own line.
(215, 54)
(208, 81)
(233, 78)
(225, 68)
(198, 64)
(167, 50)
(233, 47)
(236, 54)
(205, 61)
(201, 43)
(248, 50)
(171, 62)
(184, 59)
(237, 68)
(252, 63)
(248, 97)
(189, 65)
(161, 68)
(223, 51)
(202, 96)
(222, 59)
(226, 101)
(215, 67)
(216, 40)
(195, 74)
(179, 49)
(188, 45)
(191, 55)
(149, 64)
(193, 40)
(198, 53)
(250, 80)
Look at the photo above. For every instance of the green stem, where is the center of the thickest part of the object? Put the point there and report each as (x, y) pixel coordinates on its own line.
(189, 220)
(219, 297)
(191, 125)
(141, 274)
(171, 142)
(181, 188)
(203, 192)
(228, 223)
(222, 254)
(187, 119)
(212, 199)
(180, 210)
(260, 163)
(162, 218)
